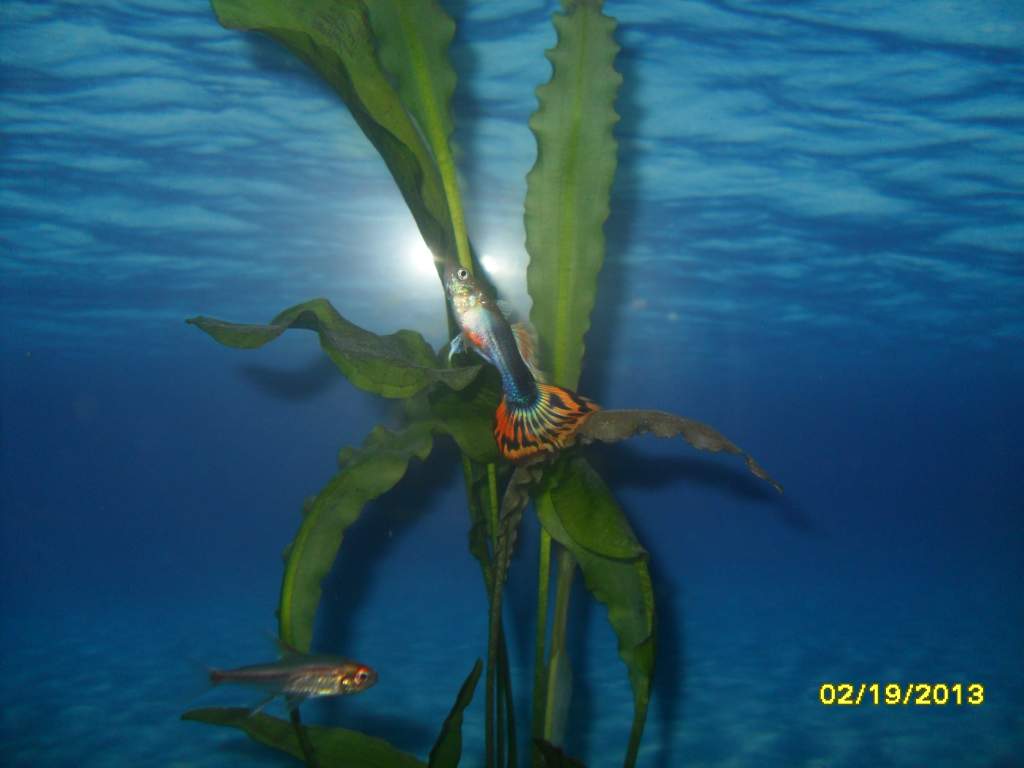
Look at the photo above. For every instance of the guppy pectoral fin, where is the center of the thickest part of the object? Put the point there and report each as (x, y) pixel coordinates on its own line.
(457, 347)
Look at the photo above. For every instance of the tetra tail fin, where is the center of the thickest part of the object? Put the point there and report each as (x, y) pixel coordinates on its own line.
(548, 424)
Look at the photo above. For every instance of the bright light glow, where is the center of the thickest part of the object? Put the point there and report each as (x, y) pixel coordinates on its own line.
(419, 257)
(493, 265)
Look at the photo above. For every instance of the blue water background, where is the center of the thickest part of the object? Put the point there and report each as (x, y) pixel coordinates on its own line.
(815, 246)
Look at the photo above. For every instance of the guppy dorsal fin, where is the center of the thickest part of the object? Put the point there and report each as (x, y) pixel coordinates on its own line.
(526, 341)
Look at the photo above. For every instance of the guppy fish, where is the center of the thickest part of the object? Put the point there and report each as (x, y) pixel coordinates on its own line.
(533, 416)
(299, 676)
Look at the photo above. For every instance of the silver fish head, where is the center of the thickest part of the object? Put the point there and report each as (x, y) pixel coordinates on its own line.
(357, 678)
(458, 281)
(464, 292)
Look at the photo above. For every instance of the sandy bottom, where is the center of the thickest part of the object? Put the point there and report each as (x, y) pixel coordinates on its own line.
(106, 689)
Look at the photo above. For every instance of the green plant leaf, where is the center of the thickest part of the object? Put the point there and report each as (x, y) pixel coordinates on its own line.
(613, 425)
(336, 40)
(568, 189)
(448, 748)
(398, 365)
(597, 522)
(368, 472)
(467, 415)
(623, 585)
(413, 37)
(337, 747)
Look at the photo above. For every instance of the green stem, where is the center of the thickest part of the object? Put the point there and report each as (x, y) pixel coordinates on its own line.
(304, 743)
(558, 658)
(451, 191)
(493, 750)
(543, 588)
(492, 492)
(506, 684)
(495, 675)
(499, 714)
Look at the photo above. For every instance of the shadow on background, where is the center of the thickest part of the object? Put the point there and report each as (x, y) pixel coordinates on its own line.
(314, 378)
(590, 674)
(622, 466)
(609, 312)
(370, 540)
(364, 552)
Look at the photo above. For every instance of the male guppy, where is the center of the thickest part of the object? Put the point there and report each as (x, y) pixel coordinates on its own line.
(299, 676)
(533, 416)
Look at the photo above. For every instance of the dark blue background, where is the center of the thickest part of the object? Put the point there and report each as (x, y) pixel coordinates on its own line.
(814, 247)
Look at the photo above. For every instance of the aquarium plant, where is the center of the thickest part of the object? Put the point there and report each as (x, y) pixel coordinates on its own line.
(388, 62)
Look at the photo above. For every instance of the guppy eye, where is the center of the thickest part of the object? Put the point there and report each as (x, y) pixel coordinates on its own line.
(462, 274)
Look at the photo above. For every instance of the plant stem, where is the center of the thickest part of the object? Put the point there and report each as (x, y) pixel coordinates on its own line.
(498, 678)
(304, 742)
(492, 714)
(499, 714)
(543, 588)
(451, 191)
(492, 491)
(506, 684)
(558, 658)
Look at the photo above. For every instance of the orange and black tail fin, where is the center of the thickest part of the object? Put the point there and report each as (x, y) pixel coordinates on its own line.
(549, 424)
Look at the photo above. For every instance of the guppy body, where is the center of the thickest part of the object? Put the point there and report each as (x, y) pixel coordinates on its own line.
(489, 334)
(533, 416)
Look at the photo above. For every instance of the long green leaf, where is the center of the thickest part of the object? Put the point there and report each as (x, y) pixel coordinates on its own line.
(569, 187)
(398, 365)
(336, 40)
(368, 472)
(413, 38)
(337, 747)
(623, 585)
(448, 748)
(597, 522)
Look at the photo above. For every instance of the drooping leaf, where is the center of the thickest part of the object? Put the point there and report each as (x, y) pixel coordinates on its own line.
(336, 40)
(398, 365)
(553, 757)
(448, 748)
(367, 473)
(613, 425)
(623, 585)
(336, 747)
(568, 189)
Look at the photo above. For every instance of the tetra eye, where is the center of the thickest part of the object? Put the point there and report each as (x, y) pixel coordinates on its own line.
(462, 274)
(361, 676)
